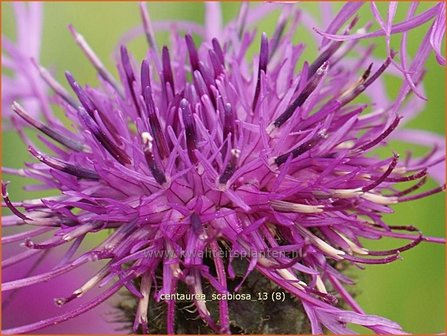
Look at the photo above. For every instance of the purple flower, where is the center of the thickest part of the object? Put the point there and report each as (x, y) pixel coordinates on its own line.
(197, 152)
(34, 302)
(24, 83)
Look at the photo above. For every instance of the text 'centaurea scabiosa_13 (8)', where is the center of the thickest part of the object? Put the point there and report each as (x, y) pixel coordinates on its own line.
(197, 157)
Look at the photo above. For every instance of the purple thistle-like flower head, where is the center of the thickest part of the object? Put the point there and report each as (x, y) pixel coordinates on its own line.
(18, 58)
(197, 155)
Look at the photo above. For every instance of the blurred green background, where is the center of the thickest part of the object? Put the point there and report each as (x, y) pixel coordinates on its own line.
(412, 291)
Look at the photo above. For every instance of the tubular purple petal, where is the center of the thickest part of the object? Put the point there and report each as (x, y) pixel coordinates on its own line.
(150, 159)
(93, 58)
(111, 147)
(168, 77)
(190, 129)
(308, 89)
(262, 67)
(193, 55)
(154, 122)
(64, 166)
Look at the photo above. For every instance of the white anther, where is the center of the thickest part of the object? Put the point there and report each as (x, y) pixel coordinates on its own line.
(296, 207)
